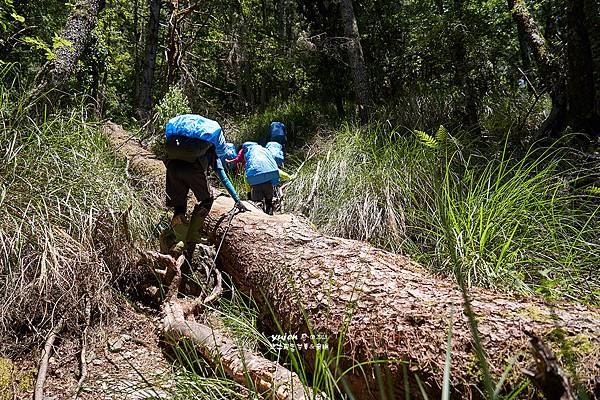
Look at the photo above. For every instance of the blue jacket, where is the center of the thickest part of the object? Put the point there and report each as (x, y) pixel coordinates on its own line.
(260, 164)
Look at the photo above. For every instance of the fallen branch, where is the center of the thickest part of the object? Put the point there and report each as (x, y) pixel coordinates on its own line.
(216, 347)
(313, 190)
(239, 364)
(43, 368)
(83, 361)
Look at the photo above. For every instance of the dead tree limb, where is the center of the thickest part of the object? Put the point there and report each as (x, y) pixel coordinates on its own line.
(239, 364)
(43, 368)
(82, 359)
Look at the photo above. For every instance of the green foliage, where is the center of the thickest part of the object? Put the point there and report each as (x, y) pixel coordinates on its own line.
(38, 44)
(172, 104)
(434, 142)
(302, 120)
(8, 17)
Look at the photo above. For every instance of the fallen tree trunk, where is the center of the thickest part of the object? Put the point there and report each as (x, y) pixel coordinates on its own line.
(384, 306)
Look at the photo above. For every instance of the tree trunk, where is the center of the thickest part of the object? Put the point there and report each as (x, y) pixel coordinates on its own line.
(378, 305)
(592, 23)
(523, 48)
(145, 95)
(76, 34)
(468, 113)
(549, 69)
(357, 62)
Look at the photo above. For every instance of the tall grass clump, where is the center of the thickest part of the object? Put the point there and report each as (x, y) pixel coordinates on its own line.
(518, 223)
(68, 220)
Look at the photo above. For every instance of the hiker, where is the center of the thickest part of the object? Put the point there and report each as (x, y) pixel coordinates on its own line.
(230, 152)
(262, 173)
(276, 150)
(277, 133)
(193, 144)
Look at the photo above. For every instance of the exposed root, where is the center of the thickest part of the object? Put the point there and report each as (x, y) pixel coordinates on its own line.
(548, 374)
(43, 368)
(241, 365)
(83, 371)
(217, 289)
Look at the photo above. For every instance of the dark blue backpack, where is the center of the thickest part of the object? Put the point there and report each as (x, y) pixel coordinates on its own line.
(277, 133)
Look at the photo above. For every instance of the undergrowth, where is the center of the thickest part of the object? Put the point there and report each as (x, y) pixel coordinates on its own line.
(68, 220)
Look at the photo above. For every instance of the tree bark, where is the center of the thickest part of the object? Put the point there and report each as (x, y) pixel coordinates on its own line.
(379, 305)
(523, 47)
(357, 62)
(549, 68)
(76, 34)
(145, 94)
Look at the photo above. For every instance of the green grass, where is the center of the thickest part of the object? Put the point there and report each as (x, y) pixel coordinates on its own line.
(63, 218)
(516, 222)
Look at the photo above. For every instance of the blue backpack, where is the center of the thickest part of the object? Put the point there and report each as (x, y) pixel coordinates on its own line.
(188, 137)
(276, 150)
(230, 153)
(277, 132)
(260, 164)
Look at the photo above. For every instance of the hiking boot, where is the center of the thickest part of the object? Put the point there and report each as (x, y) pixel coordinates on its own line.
(196, 226)
(179, 227)
(177, 249)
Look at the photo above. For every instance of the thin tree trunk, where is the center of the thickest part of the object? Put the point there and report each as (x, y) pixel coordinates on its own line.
(174, 49)
(357, 62)
(145, 95)
(136, 52)
(378, 305)
(523, 47)
(549, 69)
(76, 34)
(592, 23)
(461, 65)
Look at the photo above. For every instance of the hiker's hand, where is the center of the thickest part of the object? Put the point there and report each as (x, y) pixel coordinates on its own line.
(230, 161)
(241, 207)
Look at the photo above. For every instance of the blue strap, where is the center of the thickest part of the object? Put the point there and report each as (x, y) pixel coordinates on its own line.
(225, 181)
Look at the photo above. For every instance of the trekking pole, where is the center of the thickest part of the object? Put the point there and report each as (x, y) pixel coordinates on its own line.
(232, 213)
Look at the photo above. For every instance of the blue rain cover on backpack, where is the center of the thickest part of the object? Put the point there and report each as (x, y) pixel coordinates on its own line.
(277, 132)
(260, 164)
(197, 127)
(276, 150)
(230, 153)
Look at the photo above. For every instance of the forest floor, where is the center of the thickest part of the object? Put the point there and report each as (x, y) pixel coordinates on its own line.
(124, 361)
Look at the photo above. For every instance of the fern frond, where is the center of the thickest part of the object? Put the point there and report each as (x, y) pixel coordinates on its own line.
(427, 139)
(595, 190)
(442, 134)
